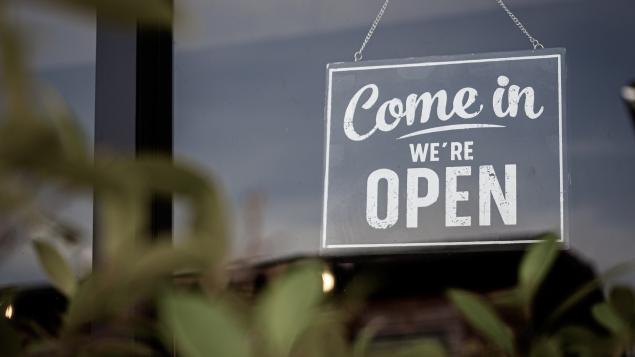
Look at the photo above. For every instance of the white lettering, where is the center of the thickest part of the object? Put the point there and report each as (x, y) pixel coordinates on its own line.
(515, 94)
(417, 198)
(452, 196)
(413, 200)
(389, 114)
(349, 115)
(461, 104)
(490, 187)
(392, 199)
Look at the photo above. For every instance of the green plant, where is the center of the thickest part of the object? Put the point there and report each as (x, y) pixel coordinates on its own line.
(616, 315)
(129, 305)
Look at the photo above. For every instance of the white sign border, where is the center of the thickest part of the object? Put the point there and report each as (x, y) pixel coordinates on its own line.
(324, 244)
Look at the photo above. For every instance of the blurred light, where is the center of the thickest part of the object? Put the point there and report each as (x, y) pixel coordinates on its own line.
(8, 312)
(628, 93)
(328, 281)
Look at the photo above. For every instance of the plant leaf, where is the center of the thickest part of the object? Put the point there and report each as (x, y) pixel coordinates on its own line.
(108, 347)
(579, 341)
(97, 297)
(161, 261)
(622, 300)
(82, 307)
(72, 140)
(482, 317)
(203, 329)
(208, 220)
(288, 307)
(71, 137)
(9, 340)
(364, 337)
(534, 267)
(606, 316)
(153, 267)
(545, 347)
(56, 267)
(587, 288)
(123, 215)
(329, 325)
(505, 298)
(427, 348)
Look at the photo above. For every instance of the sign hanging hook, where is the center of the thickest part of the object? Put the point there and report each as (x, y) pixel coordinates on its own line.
(359, 54)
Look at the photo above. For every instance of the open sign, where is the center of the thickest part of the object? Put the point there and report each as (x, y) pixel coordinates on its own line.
(459, 150)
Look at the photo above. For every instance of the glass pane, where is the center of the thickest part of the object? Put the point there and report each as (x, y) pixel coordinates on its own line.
(250, 89)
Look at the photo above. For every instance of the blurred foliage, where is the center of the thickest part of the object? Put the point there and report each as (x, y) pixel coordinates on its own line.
(617, 315)
(129, 306)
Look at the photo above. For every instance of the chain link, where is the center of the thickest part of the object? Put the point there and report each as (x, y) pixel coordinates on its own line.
(534, 42)
(358, 55)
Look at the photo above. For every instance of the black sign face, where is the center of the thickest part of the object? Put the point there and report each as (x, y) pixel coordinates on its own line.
(461, 150)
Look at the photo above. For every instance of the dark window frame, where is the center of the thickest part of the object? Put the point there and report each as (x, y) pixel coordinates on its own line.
(134, 102)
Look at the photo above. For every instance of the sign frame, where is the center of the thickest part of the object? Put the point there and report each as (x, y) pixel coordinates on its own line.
(333, 68)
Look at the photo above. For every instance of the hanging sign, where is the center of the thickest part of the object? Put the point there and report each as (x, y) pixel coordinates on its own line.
(460, 150)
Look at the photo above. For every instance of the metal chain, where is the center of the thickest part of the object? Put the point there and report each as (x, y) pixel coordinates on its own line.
(358, 55)
(520, 26)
